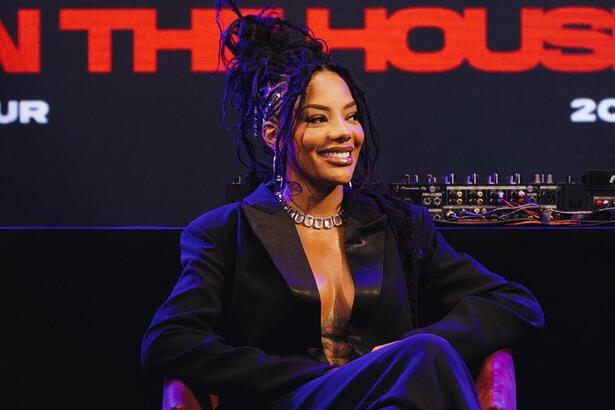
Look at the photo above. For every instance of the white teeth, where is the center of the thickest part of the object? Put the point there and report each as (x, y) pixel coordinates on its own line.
(334, 154)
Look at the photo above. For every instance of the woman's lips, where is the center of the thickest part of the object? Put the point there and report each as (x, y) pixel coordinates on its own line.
(340, 155)
(337, 158)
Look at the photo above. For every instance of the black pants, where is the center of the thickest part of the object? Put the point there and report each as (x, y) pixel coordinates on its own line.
(422, 372)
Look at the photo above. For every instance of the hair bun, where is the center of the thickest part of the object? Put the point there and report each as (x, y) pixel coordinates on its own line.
(266, 38)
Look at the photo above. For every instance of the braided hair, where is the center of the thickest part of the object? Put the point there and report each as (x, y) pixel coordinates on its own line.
(270, 65)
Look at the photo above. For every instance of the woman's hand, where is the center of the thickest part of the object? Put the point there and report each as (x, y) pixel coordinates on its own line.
(384, 345)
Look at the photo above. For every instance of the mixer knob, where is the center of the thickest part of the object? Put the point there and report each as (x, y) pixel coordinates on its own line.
(449, 179)
(431, 179)
(472, 179)
(493, 179)
(501, 197)
(549, 179)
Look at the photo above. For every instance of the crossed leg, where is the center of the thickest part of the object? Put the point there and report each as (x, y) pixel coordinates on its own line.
(421, 372)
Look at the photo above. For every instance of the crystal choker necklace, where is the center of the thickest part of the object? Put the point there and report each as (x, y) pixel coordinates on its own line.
(316, 222)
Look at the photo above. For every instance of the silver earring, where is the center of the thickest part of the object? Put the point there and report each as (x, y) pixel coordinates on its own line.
(278, 179)
(350, 185)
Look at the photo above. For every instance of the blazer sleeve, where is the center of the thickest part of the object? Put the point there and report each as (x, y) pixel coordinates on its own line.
(181, 341)
(477, 311)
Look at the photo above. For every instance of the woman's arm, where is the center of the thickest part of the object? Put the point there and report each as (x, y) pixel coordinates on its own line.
(480, 311)
(181, 341)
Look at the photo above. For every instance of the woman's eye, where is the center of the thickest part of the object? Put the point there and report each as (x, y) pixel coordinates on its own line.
(316, 119)
(354, 117)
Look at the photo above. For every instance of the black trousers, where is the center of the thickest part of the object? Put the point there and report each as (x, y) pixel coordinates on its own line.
(421, 372)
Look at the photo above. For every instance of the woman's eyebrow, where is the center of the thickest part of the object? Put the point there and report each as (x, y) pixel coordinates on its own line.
(325, 108)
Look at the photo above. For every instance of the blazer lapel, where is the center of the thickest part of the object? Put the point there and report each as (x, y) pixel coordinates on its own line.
(365, 229)
(278, 235)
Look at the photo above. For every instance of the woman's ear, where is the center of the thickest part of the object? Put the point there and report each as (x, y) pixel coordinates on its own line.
(270, 131)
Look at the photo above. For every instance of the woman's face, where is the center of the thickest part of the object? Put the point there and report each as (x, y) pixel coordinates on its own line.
(328, 137)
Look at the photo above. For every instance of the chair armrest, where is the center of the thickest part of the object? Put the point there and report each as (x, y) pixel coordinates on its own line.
(495, 384)
(176, 395)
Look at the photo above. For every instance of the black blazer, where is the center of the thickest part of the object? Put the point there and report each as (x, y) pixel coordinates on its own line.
(243, 320)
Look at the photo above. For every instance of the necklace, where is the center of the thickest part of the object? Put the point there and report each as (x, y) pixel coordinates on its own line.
(310, 221)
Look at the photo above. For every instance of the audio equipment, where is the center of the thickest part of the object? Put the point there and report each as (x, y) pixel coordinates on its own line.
(538, 199)
(512, 200)
(450, 198)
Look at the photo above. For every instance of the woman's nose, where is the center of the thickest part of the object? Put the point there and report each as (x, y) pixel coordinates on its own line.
(340, 131)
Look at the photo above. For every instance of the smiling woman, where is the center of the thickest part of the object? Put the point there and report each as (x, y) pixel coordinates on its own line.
(328, 137)
(326, 143)
(318, 290)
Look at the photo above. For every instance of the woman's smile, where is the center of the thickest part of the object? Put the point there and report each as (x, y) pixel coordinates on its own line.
(341, 156)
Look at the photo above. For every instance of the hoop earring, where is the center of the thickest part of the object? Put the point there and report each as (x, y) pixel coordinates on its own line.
(278, 179)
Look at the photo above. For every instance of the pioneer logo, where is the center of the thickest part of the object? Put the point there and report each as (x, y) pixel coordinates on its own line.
(24, 112)
(563, 39)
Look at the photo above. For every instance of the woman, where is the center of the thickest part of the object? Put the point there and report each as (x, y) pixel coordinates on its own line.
(315, 291)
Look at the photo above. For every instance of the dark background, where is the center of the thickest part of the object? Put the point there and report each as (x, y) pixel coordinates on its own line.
(126, 148)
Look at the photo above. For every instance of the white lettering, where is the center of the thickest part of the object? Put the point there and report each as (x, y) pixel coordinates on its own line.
(33, 110)
(588, 110)
(12, 112)
(584, 110)
(25, 111)
(606, 110)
